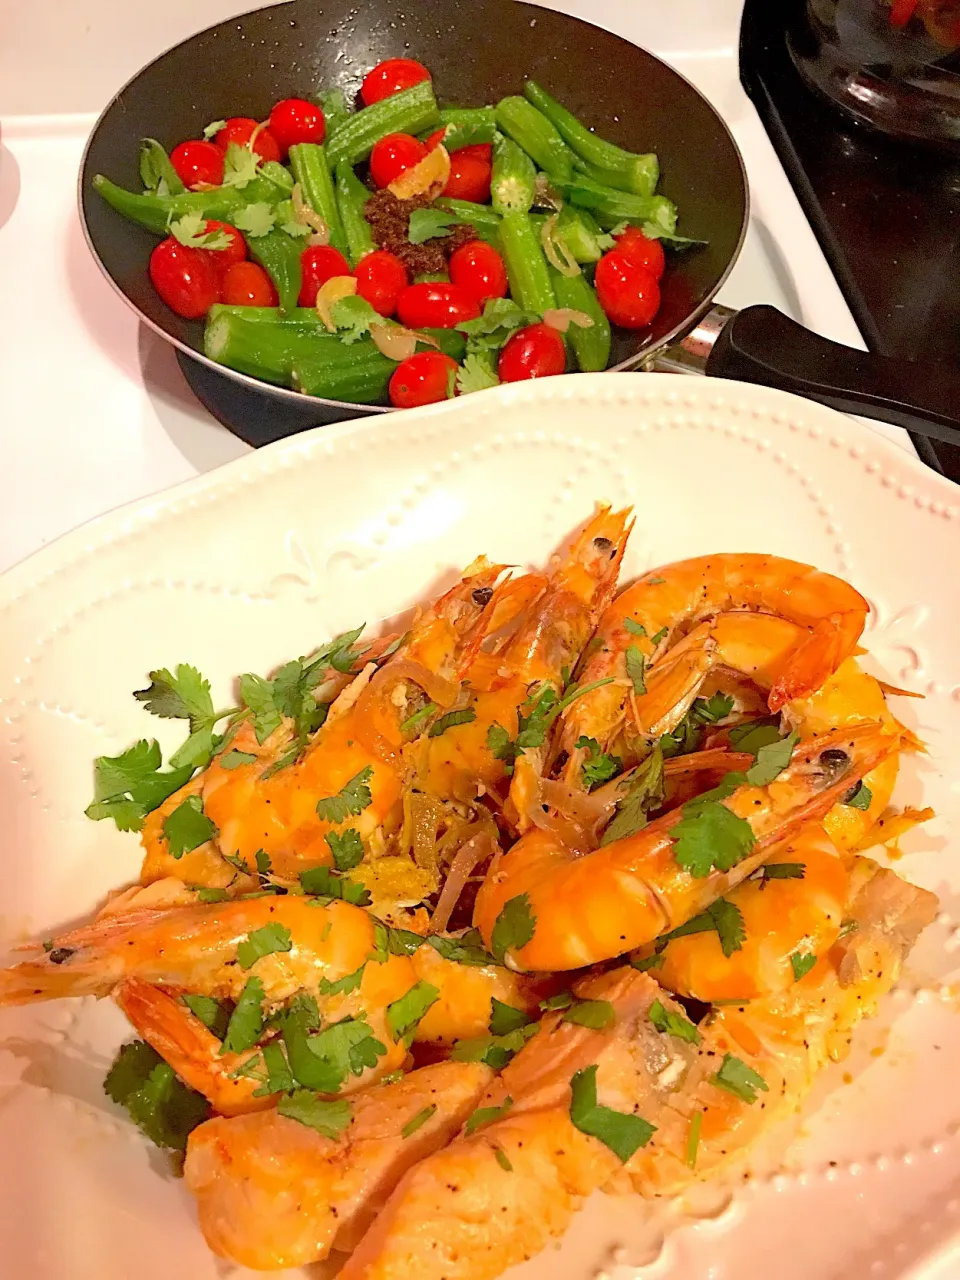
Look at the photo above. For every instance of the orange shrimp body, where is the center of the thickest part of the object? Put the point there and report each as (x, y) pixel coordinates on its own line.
(272, 1193)
(592, 908)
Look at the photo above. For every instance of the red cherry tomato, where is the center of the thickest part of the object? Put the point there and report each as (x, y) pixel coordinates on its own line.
(240, 129)
(534, 352)
(296, 120)
(197, 162)
(478, 268)
(185, 278)
(628, 293)
(422, 379)
(381, 279)
(393, 155)
(436, 305)
(390, 77)
(319, 264)
(481, 150)
(246, 284)
(236, 250)
(469, 177)
(633, 244)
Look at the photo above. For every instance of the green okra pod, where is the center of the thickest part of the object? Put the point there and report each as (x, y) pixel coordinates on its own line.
(310, 168)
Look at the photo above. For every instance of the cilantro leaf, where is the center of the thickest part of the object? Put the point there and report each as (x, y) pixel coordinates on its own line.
(156, 170)
(754, 734)
(404, 1014)
(342, 986)
(350, 801)
(595, 1014)
(234, 759)
(634, 628)
(688, 734)
(278, 1076)
(188, 827)
(246, 1021)
(739, 1079)
(449, 721)
(673, 1024)
(214, 1015)
(504, 1018)
(780, 871)
(393, 942)
(501, 745)
(240, 166)
(598, 767)
(501, 316)
(416, 720)
(467, 949)
(117, 775)
(322, 882)
(723, 916)
(306, 1107)
(709, 835)
(430, 224)
(263, 942)
(771, 760)
(192, 230)
(486, 1115)
(636, 666)
(644, 793)
(495, 1051)
(211, 130)
(860, 797)
(503, 1160)
(257, 219)
(802, 963)
(562, 1000)
(333, 103)
(322, 1060)
(353, 317)
(129, 786)
(514, 927)
(418, 1121)
(257, 694)
(621, 1132)
(477, 373)
(643, 964)
(156, 1099)
(346, 848)
(208, 895)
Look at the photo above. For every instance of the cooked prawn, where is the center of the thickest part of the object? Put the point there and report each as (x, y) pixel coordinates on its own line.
(624, 894)
(666, 601)
(272, 1193)
(495, 1198)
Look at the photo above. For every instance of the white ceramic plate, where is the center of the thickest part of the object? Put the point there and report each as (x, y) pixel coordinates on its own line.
(239, 570)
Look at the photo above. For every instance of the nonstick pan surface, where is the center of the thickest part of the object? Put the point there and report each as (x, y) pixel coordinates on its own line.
(477, 51)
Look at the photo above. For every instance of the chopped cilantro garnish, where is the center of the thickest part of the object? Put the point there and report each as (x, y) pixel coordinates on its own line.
(430, 224)
(257, 694)
(388, 942)
(709, 835)
(598, 767)
(342, 986)
(404, 1014)
(486, 1115)
(306, 1107)
(477, 373)
(194, 230)
(279, 1078)
(257, 219)
(802, 963)
(322, 882)
(351, 800)
(562, 1000)
(503, 1159)
(211, 130)
(491, 330)
(467, 949)
(673, 1024)
(689, 732)
(452, 718)
(859, 798)
(739, 1079)
(504, 1018)
(644, 793)
(354, 316)
(502, 746)
(262, 862)
(129, 786)
(622, 1132)
(246, 1021)
(662, 635)
(418, 1121)
(644, 963)
(188, 827)
(214, 1015)
(156, 172)
(723, 916)
(263, 942)
(495, 1051)
(635, 628)
(693, 1140)
(780, 871)
(514, 927)
(771, 760)
(655, 582)
(754, 734)
(322, 1060)
(156, 1099)
(234, 759)
(595, 1014)
(346, 847)
(240, 166)
(418, 717)
(636, 667)
(846, 928)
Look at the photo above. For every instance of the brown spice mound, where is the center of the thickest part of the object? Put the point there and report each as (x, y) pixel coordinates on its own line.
(389, 219)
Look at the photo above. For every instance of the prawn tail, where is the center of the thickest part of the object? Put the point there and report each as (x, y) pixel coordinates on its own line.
(591, 565)
(53, 977)
(810, 665)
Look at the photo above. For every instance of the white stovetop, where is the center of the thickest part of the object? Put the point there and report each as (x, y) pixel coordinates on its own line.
(93, 409)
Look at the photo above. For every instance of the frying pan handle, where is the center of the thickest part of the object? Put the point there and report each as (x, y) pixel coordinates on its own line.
(761, 344)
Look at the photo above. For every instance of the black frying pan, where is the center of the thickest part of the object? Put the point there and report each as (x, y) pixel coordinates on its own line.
(478, 51)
